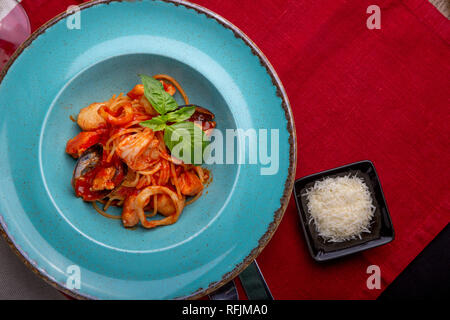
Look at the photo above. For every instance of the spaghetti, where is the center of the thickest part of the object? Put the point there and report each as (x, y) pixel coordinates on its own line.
(123, 164)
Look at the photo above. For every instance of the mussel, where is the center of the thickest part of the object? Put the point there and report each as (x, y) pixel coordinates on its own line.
(203, 115)
(90, 165)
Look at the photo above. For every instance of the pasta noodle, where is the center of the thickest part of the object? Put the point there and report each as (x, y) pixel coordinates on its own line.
(130, 165)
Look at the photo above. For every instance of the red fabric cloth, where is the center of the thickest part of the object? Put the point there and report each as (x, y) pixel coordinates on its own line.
(356, 94)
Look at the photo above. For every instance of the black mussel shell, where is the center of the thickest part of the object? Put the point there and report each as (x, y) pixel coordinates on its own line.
(89, 160)
(200, 114)
(203, 115)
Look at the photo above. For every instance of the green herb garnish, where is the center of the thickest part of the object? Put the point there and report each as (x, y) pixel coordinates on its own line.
(185, 140)
(154, 91)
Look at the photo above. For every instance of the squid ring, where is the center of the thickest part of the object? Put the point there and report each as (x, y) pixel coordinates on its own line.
(143, 197)
(125, 116)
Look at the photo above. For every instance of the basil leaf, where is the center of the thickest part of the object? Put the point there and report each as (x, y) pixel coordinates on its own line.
(159, 123)
(154, 91)
(180, 114)
(186, 142)
(156, 123)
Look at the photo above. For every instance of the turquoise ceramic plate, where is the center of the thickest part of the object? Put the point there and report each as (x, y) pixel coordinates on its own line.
(60, 70)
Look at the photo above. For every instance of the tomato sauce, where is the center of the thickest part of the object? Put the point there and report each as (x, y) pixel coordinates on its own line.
(83, 184)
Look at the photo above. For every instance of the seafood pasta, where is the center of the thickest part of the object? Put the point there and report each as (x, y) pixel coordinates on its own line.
(124, 153)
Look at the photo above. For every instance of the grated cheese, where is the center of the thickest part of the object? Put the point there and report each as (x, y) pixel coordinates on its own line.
(340, 207)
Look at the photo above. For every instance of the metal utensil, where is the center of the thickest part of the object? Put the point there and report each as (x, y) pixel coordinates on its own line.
(225, 292)
(254, 284)
(252, 281)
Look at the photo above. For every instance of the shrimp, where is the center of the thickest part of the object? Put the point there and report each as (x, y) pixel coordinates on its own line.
(165, 205)
(125, 116)
(190, 183)
(130, 217)
(143, 198)
(139, 150)
(89, 118)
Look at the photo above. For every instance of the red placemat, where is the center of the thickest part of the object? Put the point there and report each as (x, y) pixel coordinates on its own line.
(356, 94)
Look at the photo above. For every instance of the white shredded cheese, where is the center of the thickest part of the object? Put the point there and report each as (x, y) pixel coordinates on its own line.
(340, 207)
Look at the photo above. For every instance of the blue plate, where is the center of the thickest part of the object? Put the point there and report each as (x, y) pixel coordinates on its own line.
(59, 70)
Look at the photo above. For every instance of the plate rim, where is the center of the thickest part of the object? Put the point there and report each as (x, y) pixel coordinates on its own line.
(288, 185)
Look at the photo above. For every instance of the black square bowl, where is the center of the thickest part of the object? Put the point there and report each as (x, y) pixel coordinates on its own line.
(381, 229)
